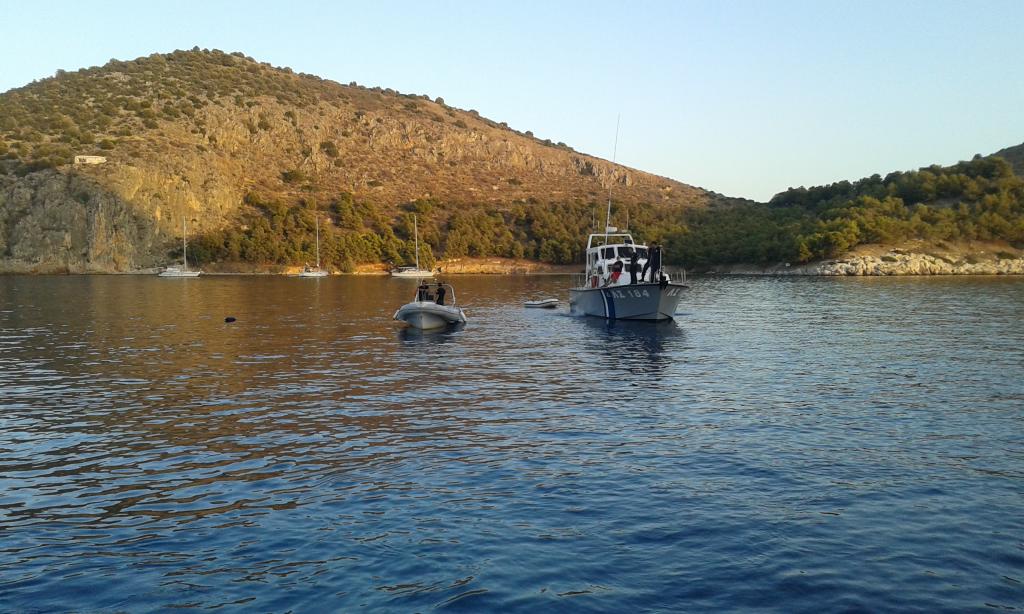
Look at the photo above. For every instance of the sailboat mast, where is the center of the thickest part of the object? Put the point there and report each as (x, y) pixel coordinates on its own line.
(416, 234)
(184, 246)
(318, 241)
(615, 151)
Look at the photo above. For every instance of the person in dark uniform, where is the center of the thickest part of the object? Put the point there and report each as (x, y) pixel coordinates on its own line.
(648, 264)
(655, 261)
(422, 292)
(440, 293)
(633, 266)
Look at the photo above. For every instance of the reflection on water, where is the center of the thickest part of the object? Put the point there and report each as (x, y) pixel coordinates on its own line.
(643, 348)
(786, 445)
(445, 334)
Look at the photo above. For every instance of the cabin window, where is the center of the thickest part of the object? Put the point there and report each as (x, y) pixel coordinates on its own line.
(625, 252)
(608, 253)
(641, 252)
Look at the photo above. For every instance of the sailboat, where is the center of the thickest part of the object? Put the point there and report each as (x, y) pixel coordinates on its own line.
(181, 271)
(416, 271)
(315, 271)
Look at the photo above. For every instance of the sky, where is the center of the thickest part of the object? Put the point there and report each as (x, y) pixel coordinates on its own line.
(746, 98)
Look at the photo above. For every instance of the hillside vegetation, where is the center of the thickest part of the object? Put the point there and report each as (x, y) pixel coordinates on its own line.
(246, 153)
(250, 156)
(982, 199)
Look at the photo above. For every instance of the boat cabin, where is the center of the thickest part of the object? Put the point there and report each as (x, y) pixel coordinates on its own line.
(610, 253)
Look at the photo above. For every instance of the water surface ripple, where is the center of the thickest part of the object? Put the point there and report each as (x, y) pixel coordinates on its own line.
(787, 445)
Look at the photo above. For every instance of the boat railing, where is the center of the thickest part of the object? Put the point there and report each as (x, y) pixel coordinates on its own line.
(582, 280)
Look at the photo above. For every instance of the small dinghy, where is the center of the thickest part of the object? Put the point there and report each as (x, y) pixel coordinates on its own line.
(544, 303)
(427, 310)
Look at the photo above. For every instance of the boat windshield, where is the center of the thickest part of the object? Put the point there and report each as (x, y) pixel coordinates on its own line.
(624, 252)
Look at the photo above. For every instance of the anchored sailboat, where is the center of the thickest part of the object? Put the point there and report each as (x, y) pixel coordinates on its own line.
(416, 271)
(315, 271)
(182, 271)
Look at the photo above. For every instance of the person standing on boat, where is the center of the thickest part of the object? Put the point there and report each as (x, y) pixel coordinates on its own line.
(633, 266)
(653, 263)
(440, 293)
(647, 263)
(422, 292)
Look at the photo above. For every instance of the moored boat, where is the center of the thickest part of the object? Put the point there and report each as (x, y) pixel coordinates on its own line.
(615, 283)
(312, 271)
(429, 311)
(607, 288)
(413, 271)
(183, 270)
(315, 271)
(177, 271)
(545, 303)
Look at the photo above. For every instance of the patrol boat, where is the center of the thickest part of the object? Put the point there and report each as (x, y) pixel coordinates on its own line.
(604, 290)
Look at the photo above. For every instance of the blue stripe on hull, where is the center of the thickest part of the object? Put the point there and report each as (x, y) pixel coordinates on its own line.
(609, 304)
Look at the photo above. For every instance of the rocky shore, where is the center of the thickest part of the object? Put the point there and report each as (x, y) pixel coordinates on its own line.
(894, 262)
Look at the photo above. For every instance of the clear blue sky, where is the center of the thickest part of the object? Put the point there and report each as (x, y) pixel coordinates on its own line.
(746, 98)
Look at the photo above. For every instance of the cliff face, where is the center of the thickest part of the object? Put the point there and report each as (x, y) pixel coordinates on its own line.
(188, 135)
(54, 222)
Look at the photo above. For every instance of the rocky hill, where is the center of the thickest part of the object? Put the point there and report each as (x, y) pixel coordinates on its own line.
(1015, 156)
(224, 141)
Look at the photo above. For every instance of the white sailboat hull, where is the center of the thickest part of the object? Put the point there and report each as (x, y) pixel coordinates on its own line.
(317, 273)
(627, 302)
(175, 272)
(427, 314)
(413, 273)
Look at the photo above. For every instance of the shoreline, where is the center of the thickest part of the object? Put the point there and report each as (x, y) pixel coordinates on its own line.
(870, 262)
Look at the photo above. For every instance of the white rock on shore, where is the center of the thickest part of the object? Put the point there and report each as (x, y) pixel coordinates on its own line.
(893, 263)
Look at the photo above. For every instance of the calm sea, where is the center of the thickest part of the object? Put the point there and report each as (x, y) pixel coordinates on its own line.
(786, 445)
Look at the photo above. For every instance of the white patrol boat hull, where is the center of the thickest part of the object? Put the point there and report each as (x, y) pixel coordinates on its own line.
(428, 314)
(645, 301)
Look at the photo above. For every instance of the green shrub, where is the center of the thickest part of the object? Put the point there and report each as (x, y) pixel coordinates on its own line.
(293, 176)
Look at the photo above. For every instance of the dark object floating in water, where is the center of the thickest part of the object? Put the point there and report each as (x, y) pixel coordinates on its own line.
(547, 303)
(229, 319)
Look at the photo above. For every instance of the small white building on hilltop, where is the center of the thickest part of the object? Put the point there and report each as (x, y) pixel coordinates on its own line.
(90, 159)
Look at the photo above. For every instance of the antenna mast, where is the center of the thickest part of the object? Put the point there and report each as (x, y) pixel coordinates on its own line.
(611, 182)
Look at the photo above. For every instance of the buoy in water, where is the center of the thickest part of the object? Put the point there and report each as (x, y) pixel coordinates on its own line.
(229, 319)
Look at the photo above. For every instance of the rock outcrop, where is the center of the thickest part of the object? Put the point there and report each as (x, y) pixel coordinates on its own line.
(895, 262)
